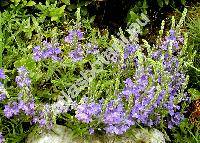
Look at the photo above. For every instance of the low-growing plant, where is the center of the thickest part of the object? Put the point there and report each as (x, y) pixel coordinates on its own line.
(93, 82)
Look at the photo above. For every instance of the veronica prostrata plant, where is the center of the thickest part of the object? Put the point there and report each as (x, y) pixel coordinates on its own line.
(100, 84)
(147, 84)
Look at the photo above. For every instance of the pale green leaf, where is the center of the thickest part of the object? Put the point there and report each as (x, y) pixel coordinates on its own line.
(195, 94)
(166, 2)
(67, 2)
(30, 3)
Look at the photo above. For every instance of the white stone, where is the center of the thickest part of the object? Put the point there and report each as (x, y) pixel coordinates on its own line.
(61, 134)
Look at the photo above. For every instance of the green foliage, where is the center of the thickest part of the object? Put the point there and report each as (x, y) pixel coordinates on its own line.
(20, 30)
(186, 132)
(50, 10)
(162, 3)
(193, 22)
(139, 7)
(195, 94)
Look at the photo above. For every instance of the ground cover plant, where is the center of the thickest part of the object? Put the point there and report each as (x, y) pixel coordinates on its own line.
(56, 68)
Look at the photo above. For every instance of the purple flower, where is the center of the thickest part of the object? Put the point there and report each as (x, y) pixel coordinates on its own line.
(86, 111)
(74, 35)
(143, 82)
(2, 74)
(164, 45)
(175, 120)
(160, 97)
(131, 88)
(116, 129)
(116, 119)
(114, 114)
(48, 50)
(42, 122)
(8, 111)
(91, 131)
(176, 44)
(77, 54)
(128, 82)
(1, 138)
(83, 117)
(23, 80)
(129, 49)
(21, 105)
(172, 35)
(156, 54)
(35, 120)
(37, 53)
(56, 58)
(15, 109)
(22, 70)
(2, 96)
(93, 49)
(29, 108)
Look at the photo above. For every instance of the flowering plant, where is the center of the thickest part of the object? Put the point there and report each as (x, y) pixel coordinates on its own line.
(101, 84)
(154, 83)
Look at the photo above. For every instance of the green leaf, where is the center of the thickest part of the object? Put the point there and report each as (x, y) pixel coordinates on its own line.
(55, 14)
(16, 1)
(160, 3)
(183, 2)
(195, 93)
(28, 62)
(166, 2)
(54, 18)
(132, 16)
(30, 3)
(67, 2)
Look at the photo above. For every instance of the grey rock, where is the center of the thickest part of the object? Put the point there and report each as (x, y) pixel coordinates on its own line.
(61, 134)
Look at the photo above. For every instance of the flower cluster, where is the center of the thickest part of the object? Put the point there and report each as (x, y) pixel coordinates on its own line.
(74, 39)
(172, 40)
(116, 119)
(43, 116)
(92, 49)
(24, 104)
(155, 87)
(85, 111)
(22, 79)
(47, 50)
(14, 108)
(77, 54)
(147, 92)
(129, 50)
(74, 35)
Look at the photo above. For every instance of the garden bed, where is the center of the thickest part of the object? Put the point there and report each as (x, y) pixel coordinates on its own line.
(68, 76)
